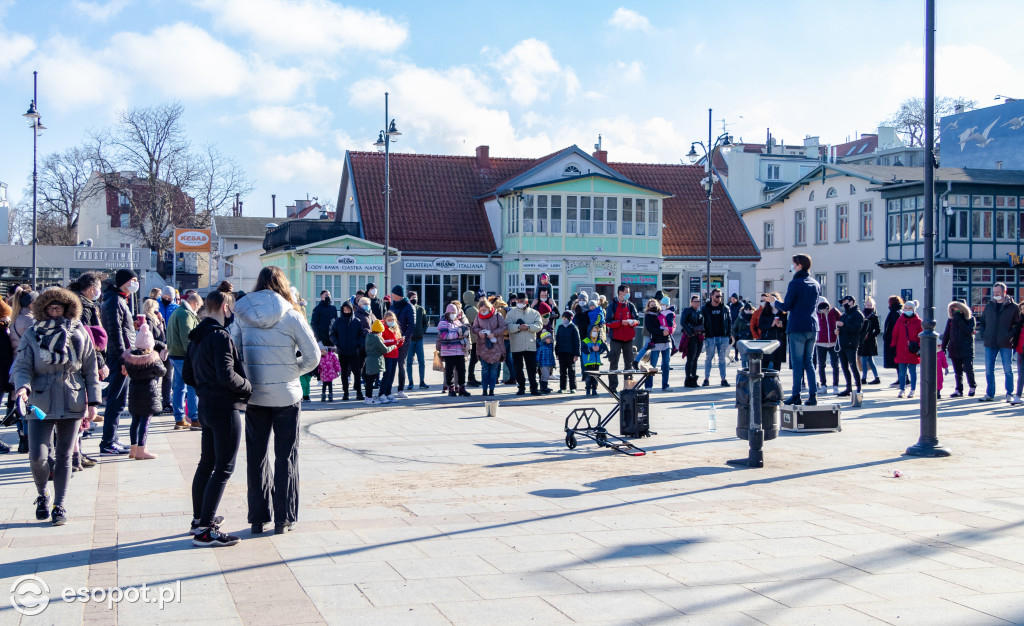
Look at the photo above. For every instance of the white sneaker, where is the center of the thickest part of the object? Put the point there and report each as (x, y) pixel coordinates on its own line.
(899, 395)
(1009, 397)
(835, 390)
(1016, 400)
(392, 399)
(370, 401)
(911, 394)
(401, 395)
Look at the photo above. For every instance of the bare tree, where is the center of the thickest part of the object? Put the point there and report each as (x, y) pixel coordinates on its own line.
(219, 179)
(908, 120)
(62, 187)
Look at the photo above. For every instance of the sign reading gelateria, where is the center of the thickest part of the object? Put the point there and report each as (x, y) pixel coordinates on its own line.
(345, 264)
(446, 265)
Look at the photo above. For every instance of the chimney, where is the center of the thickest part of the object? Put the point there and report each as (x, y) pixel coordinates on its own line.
(601, 155)
(483, 157)
(273, 205)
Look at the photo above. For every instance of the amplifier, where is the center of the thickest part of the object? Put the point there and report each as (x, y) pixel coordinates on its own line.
(800, 418)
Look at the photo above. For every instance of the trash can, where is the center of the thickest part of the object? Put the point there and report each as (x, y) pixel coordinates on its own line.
(634, 418)
(771, 398)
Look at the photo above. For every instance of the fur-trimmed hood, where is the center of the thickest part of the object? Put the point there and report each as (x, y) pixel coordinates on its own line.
(57, 295)
(141, 359)
(960, 306)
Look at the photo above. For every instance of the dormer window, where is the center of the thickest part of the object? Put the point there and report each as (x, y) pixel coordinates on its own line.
(572, 170)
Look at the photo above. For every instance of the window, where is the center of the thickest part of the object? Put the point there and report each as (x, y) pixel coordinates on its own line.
(542, 214)
(853, 189)
(585, 214)
(981, 224)
(865, 287)
(1006, 202)
(598, 216)
(641, 217)
(556, 214)
(653, 225)
(611, 216)
(842, 289)
(767, 286)
(959, 200)
(842, 222)
(822, 280)
(1006, 225)
(867, 221)
(831, 193)
(982, 201)
(821, 224)
(957, 225)
(570, 214)
(894, 229)
(769, 235)
(627, 216)
(810, 198)
(910, 227)
(773, 172)
(571, 170)
(800, 228)
(528, 214)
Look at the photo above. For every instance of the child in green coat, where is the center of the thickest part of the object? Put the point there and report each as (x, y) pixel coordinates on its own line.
(591, 358)
(374, 364)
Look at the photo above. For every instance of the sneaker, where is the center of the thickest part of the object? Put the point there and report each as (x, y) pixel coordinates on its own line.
(212, 538)
(875, 382)
(58, 517)
(112, 450)
(956, 394)
(180, 426)
(666, 389)
(835, 390)
(196, 528)
(986, 399)
(401, 395)
(900, 394)
(911, 394)
(1016, 400)
(725, 383)
(1009, 397)
(424, 386)
(392, 399)
(369, 401)
(971, 391)
(43, 507)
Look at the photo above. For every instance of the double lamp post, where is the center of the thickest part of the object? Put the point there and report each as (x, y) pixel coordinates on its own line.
(384, 145)
(709, 184)
(35, 122)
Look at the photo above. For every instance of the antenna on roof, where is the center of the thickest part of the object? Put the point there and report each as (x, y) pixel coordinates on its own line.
(597, 146)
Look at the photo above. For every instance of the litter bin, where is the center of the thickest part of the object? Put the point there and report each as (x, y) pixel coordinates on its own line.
(771, 398)
(634, 416)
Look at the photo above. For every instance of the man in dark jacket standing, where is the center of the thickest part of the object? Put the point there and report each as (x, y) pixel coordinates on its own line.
(717, 333)
(416, 341)
(996, 327)
(376, 304)
(622, 322)
(848, 331)
(348, 339)
(802, 327)
(323, 317)
(117, 322)
(406, 315)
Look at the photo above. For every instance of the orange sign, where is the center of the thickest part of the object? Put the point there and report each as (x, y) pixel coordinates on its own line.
(191, 240)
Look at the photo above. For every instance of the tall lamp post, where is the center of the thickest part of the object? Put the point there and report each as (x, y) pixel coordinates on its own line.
(35, 122)
(928, 443)
(708, 182)
(384, 145)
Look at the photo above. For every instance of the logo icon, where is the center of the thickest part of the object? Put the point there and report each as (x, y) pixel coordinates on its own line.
(30, 595)
(346, 260)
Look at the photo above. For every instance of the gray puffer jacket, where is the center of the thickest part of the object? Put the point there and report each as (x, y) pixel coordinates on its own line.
(61, 391)
(276, 346)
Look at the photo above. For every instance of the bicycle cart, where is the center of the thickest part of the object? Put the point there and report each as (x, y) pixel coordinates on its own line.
(631, 407)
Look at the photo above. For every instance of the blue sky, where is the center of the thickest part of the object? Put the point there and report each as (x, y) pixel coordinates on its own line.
(286, 86)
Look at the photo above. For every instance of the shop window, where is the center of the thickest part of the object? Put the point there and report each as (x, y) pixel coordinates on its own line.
(611, 216)
(570, 214)
(1006, 202)
(641, 217)
(556, 214)
(984, 202)
(961, 274)
(1006, 225)
(598, 226)
(627, 216)
(961, 293)
(962, 200)
(867, 221)
(585, 214)
(653, 225)
(1006, 275)
(982, 275)
(542, 214)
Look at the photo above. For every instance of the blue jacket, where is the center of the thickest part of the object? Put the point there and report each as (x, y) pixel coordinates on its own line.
(406, 315)
(166, 308)
(800, 302)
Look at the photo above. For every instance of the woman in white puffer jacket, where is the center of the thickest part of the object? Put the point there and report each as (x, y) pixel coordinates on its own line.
(276, 346)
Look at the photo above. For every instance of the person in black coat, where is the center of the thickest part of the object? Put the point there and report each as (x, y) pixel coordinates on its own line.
(144, 365)
(567, 351)
(958, 344)
(772, 325)
(348, 339)
(120, 328)
(888, 350)
(376, 304)
(213, 367)
(848, 331)
(869, 333)
(691, 322)
(323, 316)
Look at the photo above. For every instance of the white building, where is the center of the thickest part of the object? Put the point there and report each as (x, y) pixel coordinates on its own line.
(238, 244)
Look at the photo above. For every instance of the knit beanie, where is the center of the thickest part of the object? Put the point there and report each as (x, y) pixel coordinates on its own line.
(594, 304)
(398, 290)
(544, 308)
(451, 308)
(144, 338)
(168, 291)
(583, 296)
(665, 301)
(122, 276)
(377, 326)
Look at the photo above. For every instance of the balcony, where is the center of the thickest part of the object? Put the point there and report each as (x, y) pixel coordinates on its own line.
(294, 234)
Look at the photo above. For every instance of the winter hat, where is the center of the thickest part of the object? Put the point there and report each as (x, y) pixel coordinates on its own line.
(377, 326)
(521, 295)
(398, 290)
(913, 303)
(583, 296)
(122, 276)
(544, 308)
(99, 337)
(480, 293)
(665, 301)
(5, 310)
(594, 304)
(387, 299)
(567, 315)
(144, 338)
(168, 291)
(451, 308)
(370, 286)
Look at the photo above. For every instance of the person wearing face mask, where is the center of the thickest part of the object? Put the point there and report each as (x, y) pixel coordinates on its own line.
(376, 304)
(802, 327)
(6, 359)
(906, 338)
(87, 287)
(869, 342)
(996, 326)
(347, 337)
(364, 315)
(452, 338)
(415, 342)
(848, 332)
(120, 328)
(523, 325)
(888, 352)
(405, 313)
(826, 343)
(958, 343)
(622, 319)
(691, 321)
(324, 315)
(590, 359)
(489, 329)
(741, 328)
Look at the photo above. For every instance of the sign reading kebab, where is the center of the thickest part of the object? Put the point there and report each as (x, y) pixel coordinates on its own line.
(192, 240)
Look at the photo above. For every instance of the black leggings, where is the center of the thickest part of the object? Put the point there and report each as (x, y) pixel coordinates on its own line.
(370, 380)
(139, 429)
(566, 371)
(221, 437)
(455, 365)
(825, 352)
(40, 433)
(693, 349)
(848, 359)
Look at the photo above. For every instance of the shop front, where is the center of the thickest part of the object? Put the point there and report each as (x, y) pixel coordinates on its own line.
(59, 265)
(438, 281)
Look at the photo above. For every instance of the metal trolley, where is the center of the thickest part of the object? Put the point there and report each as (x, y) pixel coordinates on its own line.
(631, 407)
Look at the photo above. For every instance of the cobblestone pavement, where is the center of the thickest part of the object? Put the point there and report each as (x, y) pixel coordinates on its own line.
(429, 512)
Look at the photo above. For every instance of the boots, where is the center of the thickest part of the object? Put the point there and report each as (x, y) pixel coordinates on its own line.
(330, 392)
(323, 394)
(22, 444)
(142, 454)
(131, 454)
(464, 393)
(344, 398)
(451, 392)
(359, 393)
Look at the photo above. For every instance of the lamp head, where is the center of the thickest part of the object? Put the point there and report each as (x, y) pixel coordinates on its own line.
(692, 155)
(32, 115)
(725, 141)
(380, 142)
(392, 130)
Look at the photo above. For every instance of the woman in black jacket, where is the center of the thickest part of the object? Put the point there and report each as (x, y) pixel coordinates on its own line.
(869, 342)
(772, 325)
(213, 367)
(888, 351)
(347, 337)
(691, 321)
(958, 344)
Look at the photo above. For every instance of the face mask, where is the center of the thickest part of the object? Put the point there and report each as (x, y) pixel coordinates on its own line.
(997, 298)
(373, 293)
(413, 301)
(847, 306)
(623, 297)
(594, 336)
(520, 305)
(792, 268)
(823, 310)
(133, 287)
(909, 313)
(366, 307)
(347, 312)
(165, 300)
(327, 299)
(391, 324)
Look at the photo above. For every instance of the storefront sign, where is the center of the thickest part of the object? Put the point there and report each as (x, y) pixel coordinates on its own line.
(191, 240)
(104, 255)
(345, 267)
(694, 284)
(639, 279)
(652, 265)
(446, 265)
(542, 265)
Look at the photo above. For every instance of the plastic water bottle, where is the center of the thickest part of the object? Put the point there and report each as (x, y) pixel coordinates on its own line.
(712, 419)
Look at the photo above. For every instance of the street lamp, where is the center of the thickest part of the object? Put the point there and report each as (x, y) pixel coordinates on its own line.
(35, 122)
(383, 144)
(708, 182)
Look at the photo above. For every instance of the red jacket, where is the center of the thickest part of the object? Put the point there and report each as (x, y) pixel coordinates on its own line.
(827, 326)
(623, 311)
(1020, 341)
(907, 329)
(390, 340)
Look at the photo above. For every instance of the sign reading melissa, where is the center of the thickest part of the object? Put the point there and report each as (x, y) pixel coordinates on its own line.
(345, 267)
(446, 265)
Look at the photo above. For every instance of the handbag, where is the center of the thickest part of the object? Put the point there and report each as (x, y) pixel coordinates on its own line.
(17, 412)
(438, 365)
(914, 347)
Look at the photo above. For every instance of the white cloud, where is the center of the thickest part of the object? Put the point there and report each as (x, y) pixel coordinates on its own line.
(532, 73)
(307, 27)
(99, 11)
(307, 120)
(307, 166)
(14, 47)
(631, 72)
(629, 19)
(82, 78)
